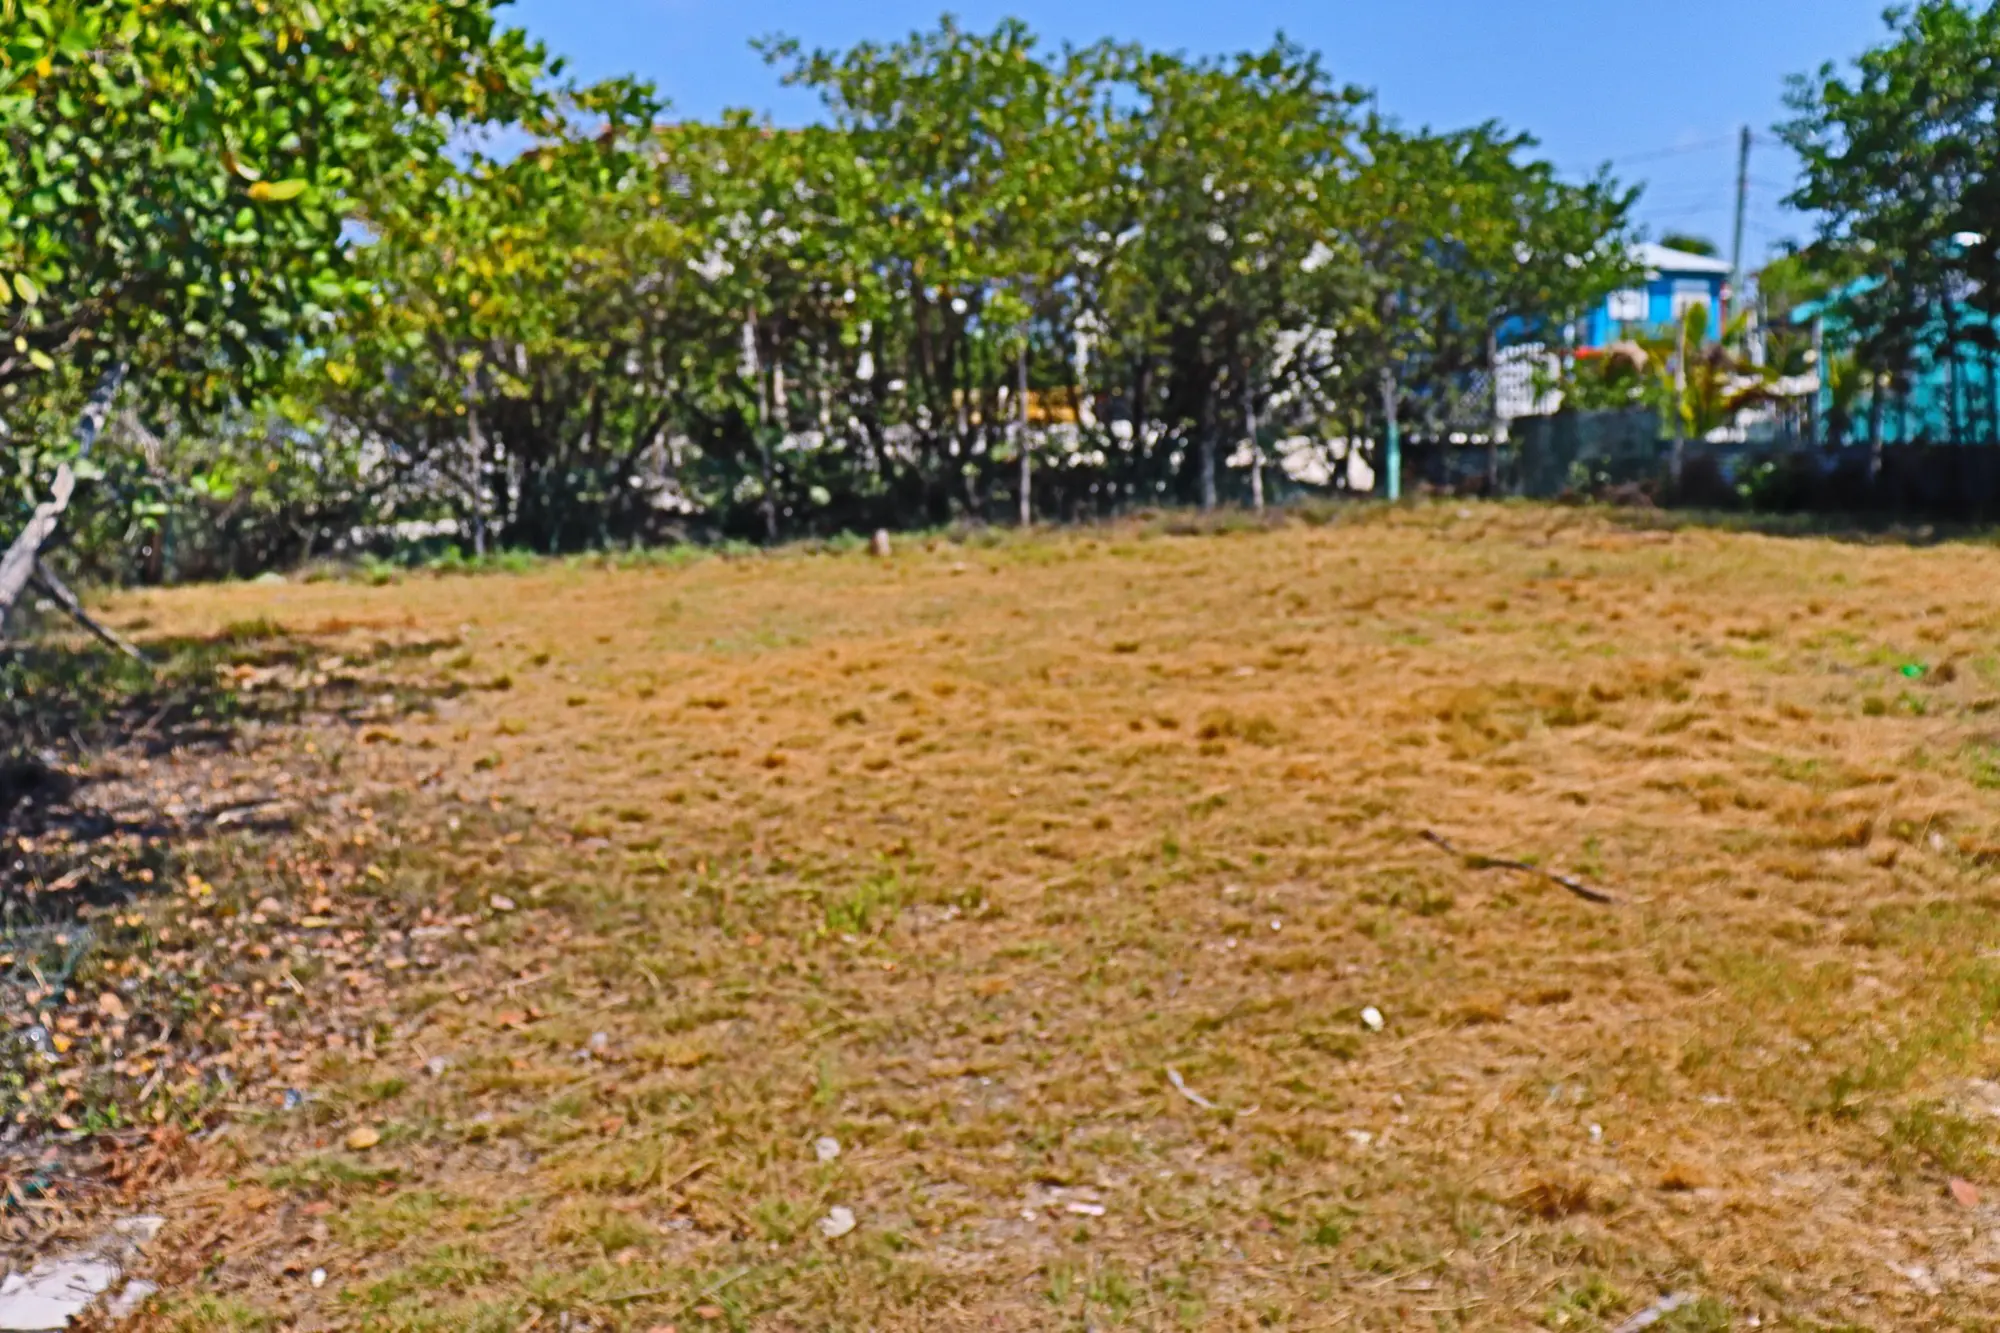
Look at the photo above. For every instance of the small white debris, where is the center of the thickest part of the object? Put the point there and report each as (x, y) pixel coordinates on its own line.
(1030, 1215)
(1180, 1086)
(1371, 1018)
(1361, 1137)
(141, 1230)
(1277, 924)
(500, 902)
(318, 1278)
(1597, 1133)
(1655, 1312)
(53, 1292)
(127, 1302)
(436, 1065)
(837, 1223)
(1917, 1276)
(1085, 1209)
(879, 546)
(826, 1148)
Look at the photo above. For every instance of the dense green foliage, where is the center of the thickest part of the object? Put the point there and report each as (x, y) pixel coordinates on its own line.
(180, 184)
(1901, 158)
(345, 315)
(635, 326)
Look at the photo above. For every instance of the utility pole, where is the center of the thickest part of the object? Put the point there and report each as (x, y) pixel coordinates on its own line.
(1736, 276)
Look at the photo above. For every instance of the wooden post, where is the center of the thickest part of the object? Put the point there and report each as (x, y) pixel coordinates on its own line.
(1392, 443)
(1825, 386)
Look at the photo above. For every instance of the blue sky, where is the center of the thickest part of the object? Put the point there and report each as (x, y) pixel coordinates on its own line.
(1658, 90)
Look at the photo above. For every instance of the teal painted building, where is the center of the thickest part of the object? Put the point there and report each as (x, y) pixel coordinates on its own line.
(1950, 394)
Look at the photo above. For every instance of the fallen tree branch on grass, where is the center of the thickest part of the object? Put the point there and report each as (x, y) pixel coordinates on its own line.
(19, 566)
(59, 592)
(1475, 861)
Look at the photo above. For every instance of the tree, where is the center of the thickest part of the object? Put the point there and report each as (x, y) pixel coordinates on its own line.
(182, 179)
(1690, 244)
(1900, 157)
(772, 331)
(973, 198)
(1469, 244)
(1227, 238)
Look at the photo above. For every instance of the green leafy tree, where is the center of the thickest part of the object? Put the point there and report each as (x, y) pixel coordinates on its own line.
(182, 180)
(1468, 243)
(1900, 158)
(969, 203)
(1231, 173)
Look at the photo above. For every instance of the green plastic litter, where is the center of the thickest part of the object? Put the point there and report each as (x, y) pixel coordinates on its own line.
(1913, 670)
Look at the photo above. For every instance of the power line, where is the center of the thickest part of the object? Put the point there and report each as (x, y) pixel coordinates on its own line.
(1678, 150)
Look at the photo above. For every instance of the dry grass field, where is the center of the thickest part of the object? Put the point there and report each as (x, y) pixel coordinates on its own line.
(1061, 909)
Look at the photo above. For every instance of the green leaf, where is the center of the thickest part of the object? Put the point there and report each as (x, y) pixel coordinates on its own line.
(25, 287)
(41, 360)
(277, 192)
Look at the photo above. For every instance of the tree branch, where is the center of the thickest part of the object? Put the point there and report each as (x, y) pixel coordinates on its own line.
(18, 566)
(46, 579)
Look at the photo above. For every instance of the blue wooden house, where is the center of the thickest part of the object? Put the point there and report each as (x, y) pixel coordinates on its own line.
(1675, 282)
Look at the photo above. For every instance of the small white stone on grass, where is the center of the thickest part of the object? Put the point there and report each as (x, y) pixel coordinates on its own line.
(1371, 1018)
(318, 1278)
(1085, 1209)
(826, 1147)
(837, 1223)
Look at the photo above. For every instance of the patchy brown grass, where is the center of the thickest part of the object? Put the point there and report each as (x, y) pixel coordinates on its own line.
(952, 858)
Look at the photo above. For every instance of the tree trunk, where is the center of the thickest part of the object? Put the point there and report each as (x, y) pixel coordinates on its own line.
(1679, 462)
(1208, 450)
(1256, 447)
(768, 461)
(1021, 446)
(1874, 428)
(1493, 422)
(17, 567)
(478, 441)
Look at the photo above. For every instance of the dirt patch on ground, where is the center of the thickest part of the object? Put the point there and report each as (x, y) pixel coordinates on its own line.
(1042, 934)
